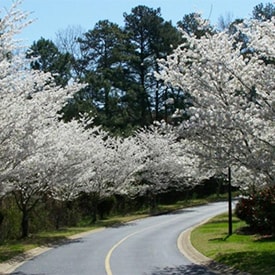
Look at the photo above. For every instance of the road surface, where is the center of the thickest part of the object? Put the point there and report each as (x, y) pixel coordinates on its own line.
(142, 247)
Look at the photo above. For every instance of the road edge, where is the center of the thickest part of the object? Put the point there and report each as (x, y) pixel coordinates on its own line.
(193, 255)
(188, 250)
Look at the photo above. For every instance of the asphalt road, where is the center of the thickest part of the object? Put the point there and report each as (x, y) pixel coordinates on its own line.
(141, 247)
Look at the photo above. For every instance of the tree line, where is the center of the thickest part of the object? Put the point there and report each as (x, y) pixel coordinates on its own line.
(118, 66)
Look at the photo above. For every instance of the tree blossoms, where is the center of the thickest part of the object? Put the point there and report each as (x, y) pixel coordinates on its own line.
(32, 148)
(232, 85)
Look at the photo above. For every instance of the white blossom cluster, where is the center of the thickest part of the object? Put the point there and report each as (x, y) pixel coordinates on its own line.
(232, 85)
(162, 167)
(29, 103)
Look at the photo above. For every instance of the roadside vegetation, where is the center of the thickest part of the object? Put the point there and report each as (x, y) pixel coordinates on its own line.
(243, 250)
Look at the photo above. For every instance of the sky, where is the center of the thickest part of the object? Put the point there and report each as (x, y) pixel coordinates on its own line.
(52, 16)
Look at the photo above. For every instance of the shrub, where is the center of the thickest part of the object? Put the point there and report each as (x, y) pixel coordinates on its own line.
(258, 210)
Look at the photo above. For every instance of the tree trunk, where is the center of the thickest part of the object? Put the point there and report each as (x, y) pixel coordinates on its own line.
(157, 102)
(152, 203)
(58, 212)
(25, 223)
(1, 214)
(94, 214)
(94, 207)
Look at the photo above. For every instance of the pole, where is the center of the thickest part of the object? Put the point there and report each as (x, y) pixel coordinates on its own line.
(229, 203)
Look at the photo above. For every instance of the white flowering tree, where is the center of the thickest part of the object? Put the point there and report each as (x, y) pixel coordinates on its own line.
(232, 119)
(109, 167)
(34, 152)
(163, 166)
(118, 162)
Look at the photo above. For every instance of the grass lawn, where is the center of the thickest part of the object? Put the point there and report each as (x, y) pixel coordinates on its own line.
(250, 253)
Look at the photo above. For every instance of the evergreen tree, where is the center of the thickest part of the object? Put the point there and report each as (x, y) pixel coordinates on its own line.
(192, 25)
(263, 13)
(104, 55)
(49, 59)
(152, 38)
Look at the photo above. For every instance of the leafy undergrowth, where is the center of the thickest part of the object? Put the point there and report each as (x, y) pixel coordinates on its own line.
(245, 252)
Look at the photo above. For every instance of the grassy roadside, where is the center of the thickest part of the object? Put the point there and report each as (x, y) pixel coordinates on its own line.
(249, 253)
(12, 248)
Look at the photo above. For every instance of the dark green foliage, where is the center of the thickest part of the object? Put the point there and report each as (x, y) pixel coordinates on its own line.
(263, 12)
(105, 206)
(106, 52)
(152, 38)
(190, 23)
(211, 186)
(88, 204)
(1, 217)
(258, 210)
(125, 205)
(89, 208)
(49, 59)
(48, 214)
(118, 64)
(80, 104)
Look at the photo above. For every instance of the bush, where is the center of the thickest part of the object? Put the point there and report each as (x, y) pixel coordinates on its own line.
(258, 210)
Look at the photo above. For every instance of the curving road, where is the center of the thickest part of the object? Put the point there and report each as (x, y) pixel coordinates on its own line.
(141, 247)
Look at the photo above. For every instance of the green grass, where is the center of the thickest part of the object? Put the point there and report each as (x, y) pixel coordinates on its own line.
(250, 253)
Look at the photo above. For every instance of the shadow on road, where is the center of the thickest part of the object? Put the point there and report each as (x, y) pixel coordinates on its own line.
(180, 211)
(174, 212)
(122, 224)
(191, 269)
(23, 273)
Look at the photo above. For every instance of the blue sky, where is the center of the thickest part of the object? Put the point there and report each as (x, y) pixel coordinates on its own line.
(52, 16)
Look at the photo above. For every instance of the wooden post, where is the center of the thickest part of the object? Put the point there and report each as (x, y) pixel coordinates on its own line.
(229, 203)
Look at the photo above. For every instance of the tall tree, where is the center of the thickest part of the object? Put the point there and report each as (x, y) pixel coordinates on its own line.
(119, 64)
(152, 38)
(49, 59)
(263, 12)
(194, 24)
(105, 51)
